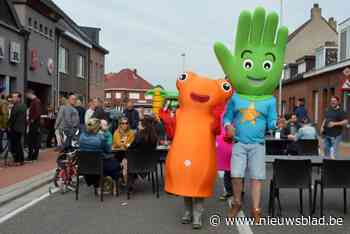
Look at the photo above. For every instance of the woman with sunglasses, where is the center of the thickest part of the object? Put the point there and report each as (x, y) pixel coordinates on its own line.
(123, 136)
(122, 139)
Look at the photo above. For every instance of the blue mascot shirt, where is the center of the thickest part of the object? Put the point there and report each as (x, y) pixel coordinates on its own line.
(251, 118)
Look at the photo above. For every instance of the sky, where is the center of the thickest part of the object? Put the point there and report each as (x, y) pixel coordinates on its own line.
(152, 35)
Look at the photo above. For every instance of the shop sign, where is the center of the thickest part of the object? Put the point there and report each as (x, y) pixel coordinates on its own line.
(50, 66)
(34, 59)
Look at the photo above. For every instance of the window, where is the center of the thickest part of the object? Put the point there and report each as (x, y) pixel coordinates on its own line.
(149, 97)
(30, 22)
(286, 75)
(118, 95)
(35, 24)
(284, 107)
(343, 44)
(2, 47)
(134, 95)
(320, 58)
(63, 60)
(41, 28)
(108, 95)
(80, 66)
(15, 52)
(316, 105)
(50, 33)
(301, 68)
(45, 30)
(346, 101)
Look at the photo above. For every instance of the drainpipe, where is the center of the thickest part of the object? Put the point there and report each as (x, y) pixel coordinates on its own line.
(57, 103)
(25, 75)
(87, 98)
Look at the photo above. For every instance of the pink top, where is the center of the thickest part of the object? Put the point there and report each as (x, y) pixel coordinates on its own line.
(223, 150)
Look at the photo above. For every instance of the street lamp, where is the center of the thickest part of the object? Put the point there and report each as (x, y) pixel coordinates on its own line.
(183, 55)
(281, 80)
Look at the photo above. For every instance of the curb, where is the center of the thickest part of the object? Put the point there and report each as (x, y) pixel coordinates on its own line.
(22, 188)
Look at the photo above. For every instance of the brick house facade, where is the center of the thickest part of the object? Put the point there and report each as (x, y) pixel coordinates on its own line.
(123, 86)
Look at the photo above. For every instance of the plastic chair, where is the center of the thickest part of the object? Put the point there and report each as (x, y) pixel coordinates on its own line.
(143, 162)
(335, 174)
(290, 174)
(90, 163)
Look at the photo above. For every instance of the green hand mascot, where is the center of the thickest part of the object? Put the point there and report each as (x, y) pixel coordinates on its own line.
(254, 70)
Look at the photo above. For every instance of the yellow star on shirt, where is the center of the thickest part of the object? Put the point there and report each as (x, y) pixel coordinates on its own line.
(249, 114)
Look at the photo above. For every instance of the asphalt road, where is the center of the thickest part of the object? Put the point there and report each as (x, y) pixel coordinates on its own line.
(144, 213)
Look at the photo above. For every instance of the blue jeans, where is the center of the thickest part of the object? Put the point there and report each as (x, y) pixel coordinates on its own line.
(330, 142)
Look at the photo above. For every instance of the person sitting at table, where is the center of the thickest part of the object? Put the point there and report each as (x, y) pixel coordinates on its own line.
(306, 132)
(93, 140)
(282, 128)
(146, 138)
(293, 125)
(123, 136)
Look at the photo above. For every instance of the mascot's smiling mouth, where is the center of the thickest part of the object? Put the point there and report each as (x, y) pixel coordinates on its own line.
(199, 98)
(256, 81)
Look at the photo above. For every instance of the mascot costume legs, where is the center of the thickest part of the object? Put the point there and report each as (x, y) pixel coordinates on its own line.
(254, 69)
(191, 161)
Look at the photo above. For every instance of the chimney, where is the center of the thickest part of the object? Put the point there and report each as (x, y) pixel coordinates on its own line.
(315, 11)
(333, 23)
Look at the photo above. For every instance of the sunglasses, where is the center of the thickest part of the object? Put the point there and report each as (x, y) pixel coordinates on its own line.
(125, 123)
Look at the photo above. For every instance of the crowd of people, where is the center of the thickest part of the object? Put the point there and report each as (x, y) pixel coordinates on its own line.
(22, 124)
(18, 121)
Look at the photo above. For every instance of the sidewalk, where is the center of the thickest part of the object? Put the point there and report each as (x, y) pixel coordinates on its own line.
(17, 181)
(345, 149)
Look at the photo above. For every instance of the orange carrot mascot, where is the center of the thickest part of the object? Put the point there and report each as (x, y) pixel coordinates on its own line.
(191, 161)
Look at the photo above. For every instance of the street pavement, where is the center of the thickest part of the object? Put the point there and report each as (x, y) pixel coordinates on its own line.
(144, 213)
(12, 175)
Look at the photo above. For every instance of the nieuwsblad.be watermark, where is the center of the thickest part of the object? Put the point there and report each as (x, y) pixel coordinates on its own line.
(217, 220)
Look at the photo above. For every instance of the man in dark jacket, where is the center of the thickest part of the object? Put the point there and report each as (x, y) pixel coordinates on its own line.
(35, 112)
(17, 127)
(132, 115)
(301, 111)
(100, 113)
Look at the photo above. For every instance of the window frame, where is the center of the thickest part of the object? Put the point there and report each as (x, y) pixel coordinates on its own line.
(66, 60)
(80, 66)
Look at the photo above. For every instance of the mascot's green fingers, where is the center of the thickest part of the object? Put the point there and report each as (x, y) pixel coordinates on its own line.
(243, 31)
(270, 29)
(257, 26)
(282, 39)
(224, 56)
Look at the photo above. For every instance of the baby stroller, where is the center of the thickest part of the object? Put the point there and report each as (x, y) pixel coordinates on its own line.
(67, 165)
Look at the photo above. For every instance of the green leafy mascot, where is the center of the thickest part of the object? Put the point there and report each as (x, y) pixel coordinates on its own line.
(254, 69)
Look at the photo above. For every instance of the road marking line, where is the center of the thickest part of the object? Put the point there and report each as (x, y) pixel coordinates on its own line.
(243, 228)
(26, 206)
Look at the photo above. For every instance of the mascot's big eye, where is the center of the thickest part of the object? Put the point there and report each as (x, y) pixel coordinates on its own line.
(226, 86)
(267, 65)
(248, 64)
(182, 77)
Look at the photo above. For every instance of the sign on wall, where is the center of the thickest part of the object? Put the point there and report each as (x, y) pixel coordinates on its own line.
(50, 66)
(2, 47)
(15, 52)
(34, 59)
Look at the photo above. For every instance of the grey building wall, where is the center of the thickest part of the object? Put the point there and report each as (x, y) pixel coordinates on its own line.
(70, 82)
(14, 72)
(42, 42)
